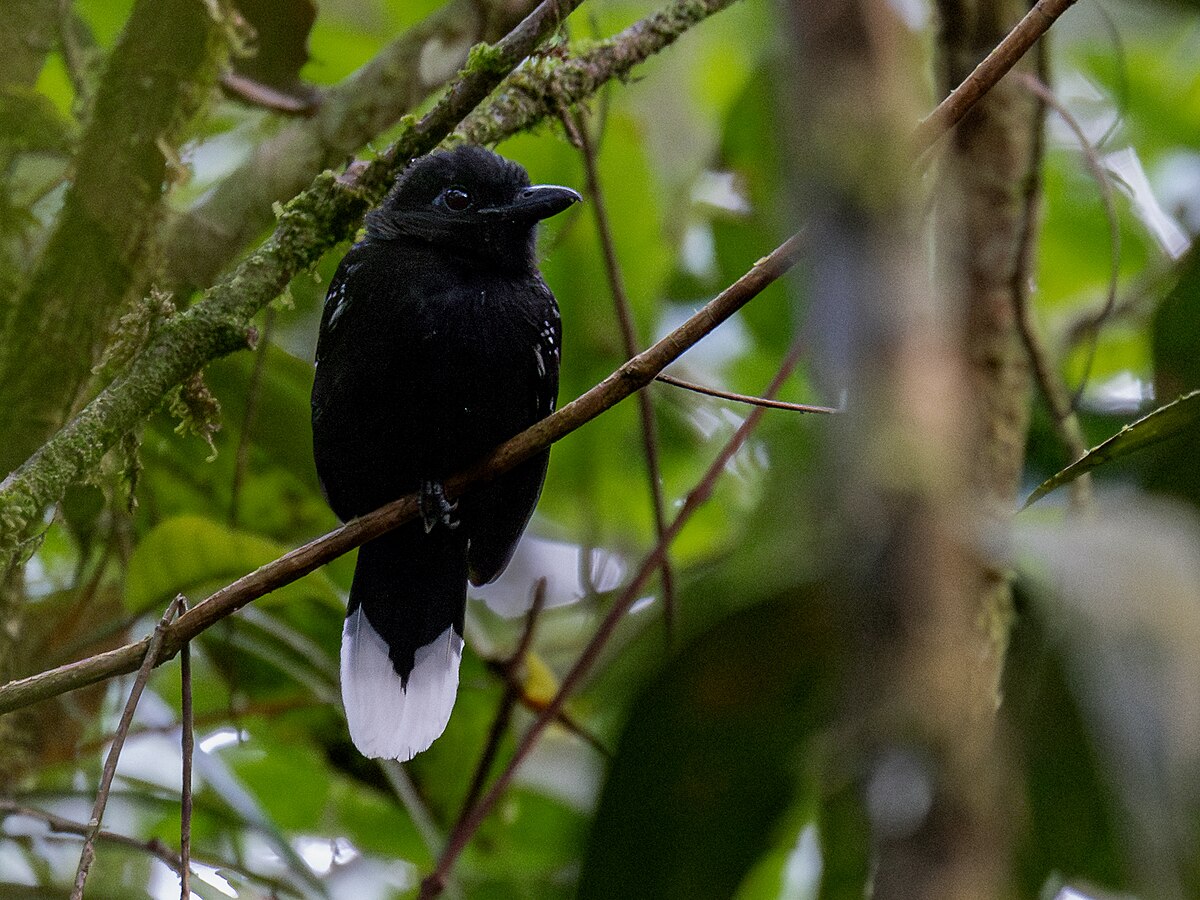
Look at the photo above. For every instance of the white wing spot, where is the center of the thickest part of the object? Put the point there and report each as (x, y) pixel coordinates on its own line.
(541, 362)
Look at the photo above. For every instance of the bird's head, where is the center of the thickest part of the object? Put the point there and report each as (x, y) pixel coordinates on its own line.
(471, 202)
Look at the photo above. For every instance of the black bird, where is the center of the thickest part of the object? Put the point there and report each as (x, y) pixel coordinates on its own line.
(439, 340)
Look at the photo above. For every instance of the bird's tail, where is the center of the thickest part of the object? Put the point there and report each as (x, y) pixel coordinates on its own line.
(402, 640)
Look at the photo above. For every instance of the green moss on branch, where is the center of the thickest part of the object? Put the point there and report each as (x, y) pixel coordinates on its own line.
(158, 76)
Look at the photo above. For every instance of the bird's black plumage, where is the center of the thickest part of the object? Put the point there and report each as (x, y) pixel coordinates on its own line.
(439, 340)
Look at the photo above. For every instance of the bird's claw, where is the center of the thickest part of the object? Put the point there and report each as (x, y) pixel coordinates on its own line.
(435, 507)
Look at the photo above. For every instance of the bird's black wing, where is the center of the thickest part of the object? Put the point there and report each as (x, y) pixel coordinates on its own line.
(337, 300)
(501, 510)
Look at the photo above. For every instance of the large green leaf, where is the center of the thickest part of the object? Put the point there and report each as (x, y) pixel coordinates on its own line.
(712, 756)
(192, 555)
(1073, 828)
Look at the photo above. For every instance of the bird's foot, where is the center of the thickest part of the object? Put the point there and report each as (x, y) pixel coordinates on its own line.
(435, 507)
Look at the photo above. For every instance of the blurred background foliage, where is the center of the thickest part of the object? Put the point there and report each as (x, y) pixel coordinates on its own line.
(691, 771)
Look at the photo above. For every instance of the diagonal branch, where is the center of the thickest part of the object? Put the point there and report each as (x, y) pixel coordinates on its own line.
(114, 753)
(539, 88)
(99, 249)
(995, 66)
(630, 377)
(744, 398)
(202, 241)
(577, 132)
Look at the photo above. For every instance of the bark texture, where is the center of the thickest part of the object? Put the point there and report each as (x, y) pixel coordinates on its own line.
(97, 257)
(986, 228)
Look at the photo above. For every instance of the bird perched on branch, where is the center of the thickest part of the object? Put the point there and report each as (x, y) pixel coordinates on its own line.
(439, 340)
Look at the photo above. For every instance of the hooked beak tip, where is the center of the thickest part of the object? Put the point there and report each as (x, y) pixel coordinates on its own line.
(541, 201)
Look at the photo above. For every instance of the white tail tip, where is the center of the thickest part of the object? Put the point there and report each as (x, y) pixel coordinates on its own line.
(388, 721)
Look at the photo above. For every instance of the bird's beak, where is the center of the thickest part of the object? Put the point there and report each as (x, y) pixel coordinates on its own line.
(534, 204)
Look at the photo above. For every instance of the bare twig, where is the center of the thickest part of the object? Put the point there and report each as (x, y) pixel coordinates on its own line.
(431, 886)
(510, 671)
(114, 753)
(627, 379)
(82, 829)
(743, 398)
(1039, 89)
(249, 415)
(154, 847)
(1062, 414)
(577, 133)
(995, 66)
(187, 744)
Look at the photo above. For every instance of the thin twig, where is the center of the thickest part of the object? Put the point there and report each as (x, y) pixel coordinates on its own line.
(114, 753)
(631, 377)
(405, 789)
(1039, 89)
(188, 744)
(1054, 392)
(82, 829)
(249, 415)
(510, 670)
(431, 886)
(577, 133)
(1007, 53)
(154, 847)
(743, 398)
(537, 704)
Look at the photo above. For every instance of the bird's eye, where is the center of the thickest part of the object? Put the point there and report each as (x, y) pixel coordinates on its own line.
(455, 199)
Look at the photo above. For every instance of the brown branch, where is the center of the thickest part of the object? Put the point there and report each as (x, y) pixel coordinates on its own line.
(510, 672)
(469, 823)
(154, 847)
(743, 398)
(1045, 372)
(577, 133)
(627, 379)
(202, 241)
(995, 66)
(62, 825)
(187, 742)
(114, 754)
(1039, 89)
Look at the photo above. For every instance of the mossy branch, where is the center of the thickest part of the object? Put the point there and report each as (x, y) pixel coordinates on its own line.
(542, 84)
(201, 242)
(157, 78)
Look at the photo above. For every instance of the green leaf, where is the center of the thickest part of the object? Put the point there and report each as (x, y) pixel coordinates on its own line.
(712, 756)
(192, 555)
(1165, 422)
(1072, 827)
